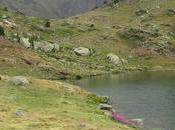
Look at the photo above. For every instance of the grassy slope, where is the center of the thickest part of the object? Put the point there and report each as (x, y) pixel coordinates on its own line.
(49, 105)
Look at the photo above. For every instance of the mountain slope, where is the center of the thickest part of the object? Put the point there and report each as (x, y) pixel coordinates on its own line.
(51, 8)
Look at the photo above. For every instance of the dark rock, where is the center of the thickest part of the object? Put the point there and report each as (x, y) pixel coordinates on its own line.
(141, 12)
(2, 33)
(105, 99)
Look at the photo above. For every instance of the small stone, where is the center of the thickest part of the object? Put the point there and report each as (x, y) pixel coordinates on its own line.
(19, 80)
(114, 59)
(43, 46)
(19, 113)
(105, 99)
(104, 106)
(136, 122)
(108, 114)
(56, 47)
(25, 42)
(82, 125)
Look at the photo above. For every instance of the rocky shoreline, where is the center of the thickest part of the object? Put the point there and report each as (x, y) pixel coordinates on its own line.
(110, 112)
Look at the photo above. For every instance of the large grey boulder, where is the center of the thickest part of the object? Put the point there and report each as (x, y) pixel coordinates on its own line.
(19, 80)
(43, 46)
(82, 51)
(25, 42)
(114, 59)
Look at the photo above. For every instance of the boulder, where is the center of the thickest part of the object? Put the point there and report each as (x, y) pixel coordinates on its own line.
(104, 106)
(19, 80)
(82, 51)
(114, 59)
(25, 42)
(136, 122)
(43, 46)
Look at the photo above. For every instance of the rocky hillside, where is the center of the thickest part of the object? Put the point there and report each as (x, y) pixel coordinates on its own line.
(52, 8)
(126, 36)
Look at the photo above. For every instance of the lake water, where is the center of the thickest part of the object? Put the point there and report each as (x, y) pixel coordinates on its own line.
(146, 95)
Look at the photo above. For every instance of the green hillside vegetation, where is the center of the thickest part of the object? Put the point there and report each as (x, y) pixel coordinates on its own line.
(127, 36)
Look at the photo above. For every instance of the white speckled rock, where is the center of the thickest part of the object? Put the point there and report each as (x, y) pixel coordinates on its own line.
(25, 42)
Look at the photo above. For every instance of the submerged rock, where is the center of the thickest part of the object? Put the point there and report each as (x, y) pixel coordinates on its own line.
(19, 80)
(136, 122)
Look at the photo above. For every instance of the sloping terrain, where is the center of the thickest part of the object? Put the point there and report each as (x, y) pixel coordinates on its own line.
(51, 8)
(139, 34)
(50, 105)
(146, 41)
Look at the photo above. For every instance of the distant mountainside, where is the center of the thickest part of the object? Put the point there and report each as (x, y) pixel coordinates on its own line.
(52, 8)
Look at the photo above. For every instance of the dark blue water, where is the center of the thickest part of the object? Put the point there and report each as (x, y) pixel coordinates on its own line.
(146, 95)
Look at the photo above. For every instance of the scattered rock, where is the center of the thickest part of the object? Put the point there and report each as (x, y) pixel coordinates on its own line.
(104, 106)
(123, 61)
(114, 59)
(108, 114)
(25, 42)
(105, 99)
(141, 12)
(19, 80)
(56, 47)
(9, 24)
(170, 12)
(82, 51)
(136, 122)
(82, 125)
(4, 17)
(43, 46)
(19, 113)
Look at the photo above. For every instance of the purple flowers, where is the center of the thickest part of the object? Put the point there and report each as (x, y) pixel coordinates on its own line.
(122, 119)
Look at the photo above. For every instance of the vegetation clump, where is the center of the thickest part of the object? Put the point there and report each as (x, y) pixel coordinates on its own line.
(2, 33)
